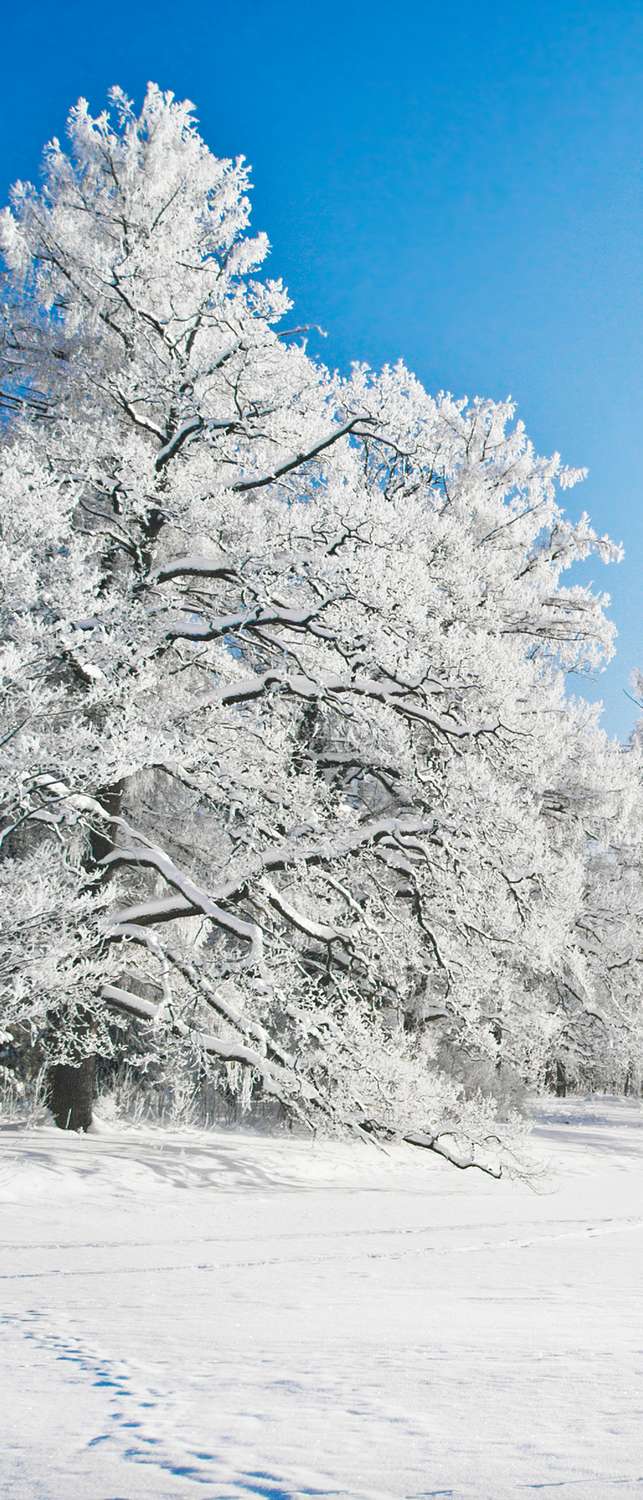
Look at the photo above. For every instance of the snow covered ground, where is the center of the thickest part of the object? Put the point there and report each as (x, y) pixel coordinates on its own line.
(227, 1315)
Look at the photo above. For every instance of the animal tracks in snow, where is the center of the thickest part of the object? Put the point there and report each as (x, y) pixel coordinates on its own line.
(380, 1232)
(584, 1230)
(141, 1421)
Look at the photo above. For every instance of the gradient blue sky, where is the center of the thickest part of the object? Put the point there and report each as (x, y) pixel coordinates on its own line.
(460, 187)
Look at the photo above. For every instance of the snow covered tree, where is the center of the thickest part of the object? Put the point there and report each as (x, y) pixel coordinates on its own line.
(595, 995)
(610, 927)
(290, 777)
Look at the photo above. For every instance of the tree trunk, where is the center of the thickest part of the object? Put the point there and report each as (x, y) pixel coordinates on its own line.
(561, 1079)
(556, 1078)
(71, 1094)
(70, 1087)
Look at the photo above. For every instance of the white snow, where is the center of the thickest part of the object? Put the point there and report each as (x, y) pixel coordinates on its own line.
(225, 1315)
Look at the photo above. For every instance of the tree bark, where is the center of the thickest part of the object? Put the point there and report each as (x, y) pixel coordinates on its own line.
(71, 1094)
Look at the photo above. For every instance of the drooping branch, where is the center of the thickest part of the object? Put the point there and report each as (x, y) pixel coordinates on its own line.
(281, 1083)
(291, 1087)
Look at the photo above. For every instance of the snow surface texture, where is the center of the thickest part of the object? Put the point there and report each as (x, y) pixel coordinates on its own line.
(226, 1315)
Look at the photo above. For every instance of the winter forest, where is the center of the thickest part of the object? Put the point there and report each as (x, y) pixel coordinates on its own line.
(300, 814)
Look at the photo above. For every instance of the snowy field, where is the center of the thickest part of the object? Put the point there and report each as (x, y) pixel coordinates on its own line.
(225, 1315)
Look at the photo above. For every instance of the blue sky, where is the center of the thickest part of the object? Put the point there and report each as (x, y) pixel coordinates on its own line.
(458, 187)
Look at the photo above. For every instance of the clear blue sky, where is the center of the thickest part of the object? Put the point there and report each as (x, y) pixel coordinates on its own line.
(458, 186)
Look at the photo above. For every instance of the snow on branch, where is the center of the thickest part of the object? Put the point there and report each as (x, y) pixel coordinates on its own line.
(241, 485)
(176, 441)
(192, 565)
(325, 685)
